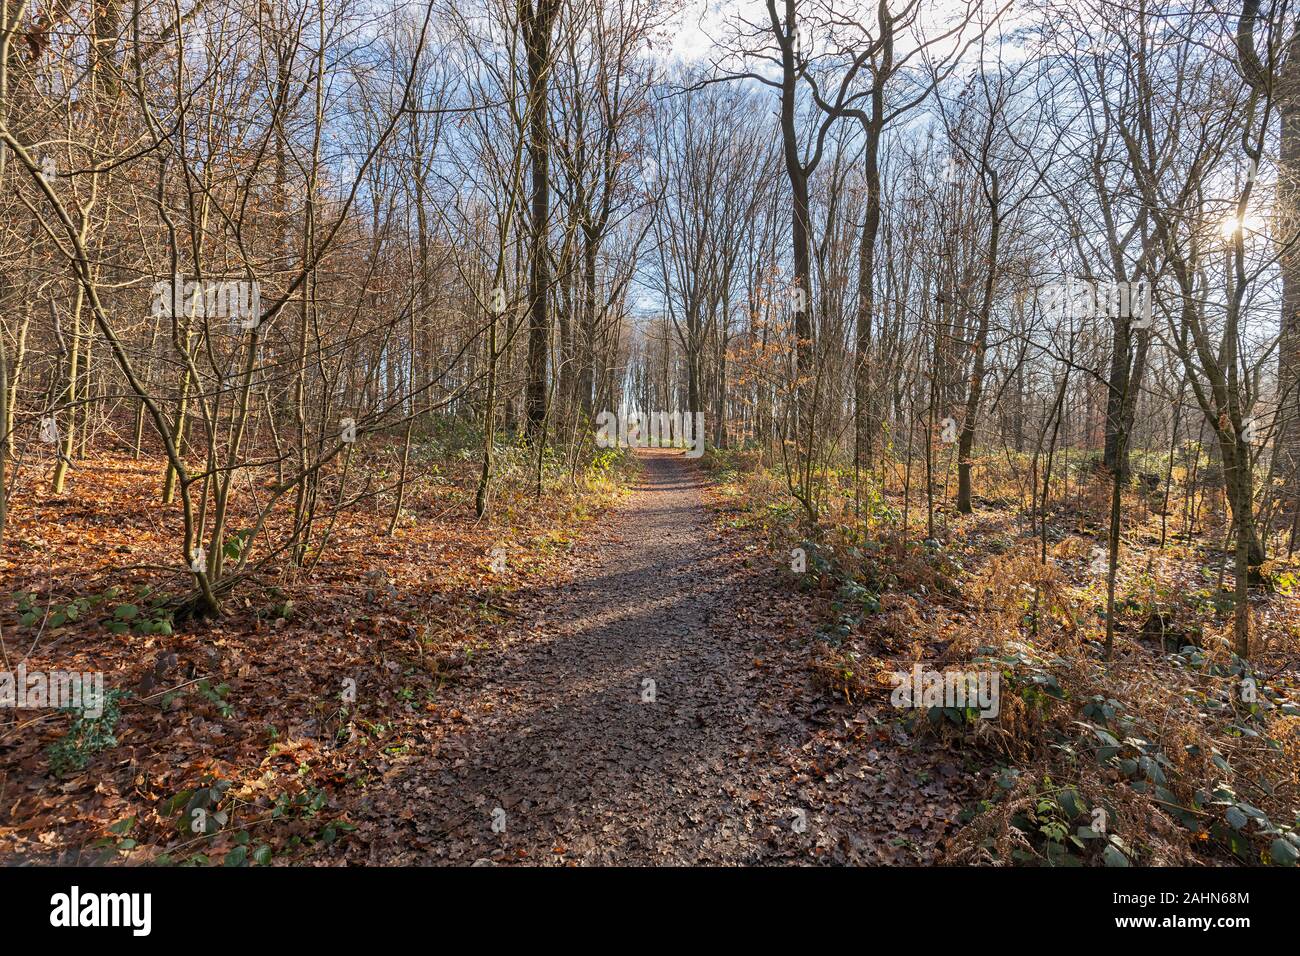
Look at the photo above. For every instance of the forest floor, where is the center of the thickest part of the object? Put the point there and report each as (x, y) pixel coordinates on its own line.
(657, 709)
(633, 669)
(607, 677)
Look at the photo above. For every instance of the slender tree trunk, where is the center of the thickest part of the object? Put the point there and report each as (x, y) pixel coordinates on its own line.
(587, 336)
(863, 432)
(4, 445)
(70, 394)
(975, 392)
(481, 495)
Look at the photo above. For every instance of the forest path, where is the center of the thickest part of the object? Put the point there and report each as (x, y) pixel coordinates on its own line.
(568, 754)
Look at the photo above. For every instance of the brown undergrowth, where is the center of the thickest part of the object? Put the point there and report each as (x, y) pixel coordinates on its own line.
(1171, 752)
(242, 739)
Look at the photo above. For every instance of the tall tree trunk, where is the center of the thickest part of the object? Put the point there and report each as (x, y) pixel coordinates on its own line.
(800, 225)
(537, 21)
(587, 334)
(975, 392)
(1285, 90)
(866, 304)
(1287, 437)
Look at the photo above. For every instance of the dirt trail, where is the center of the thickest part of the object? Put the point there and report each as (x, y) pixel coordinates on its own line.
(566, 748)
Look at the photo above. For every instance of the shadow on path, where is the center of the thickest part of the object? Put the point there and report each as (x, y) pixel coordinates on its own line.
(651, 713)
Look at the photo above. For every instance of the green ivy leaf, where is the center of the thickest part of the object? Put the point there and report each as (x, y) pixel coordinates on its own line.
(1283, 853)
